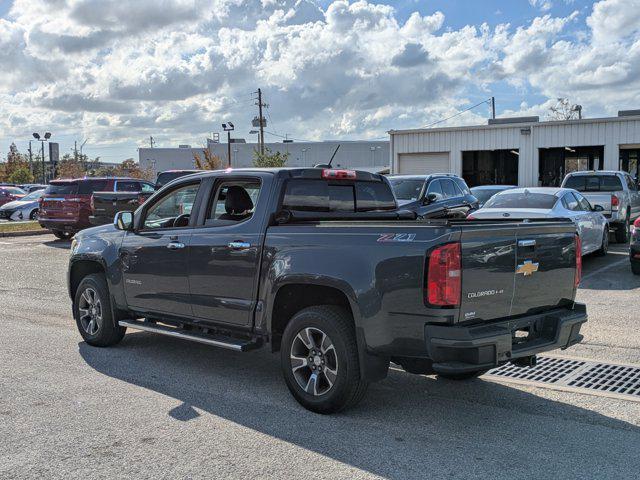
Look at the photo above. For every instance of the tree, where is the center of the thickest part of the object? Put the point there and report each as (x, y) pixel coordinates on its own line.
(15, 161)
(129, 168)
(268, 159)
(21, 175)
(564, 110)
(211, 161)
(69, 167)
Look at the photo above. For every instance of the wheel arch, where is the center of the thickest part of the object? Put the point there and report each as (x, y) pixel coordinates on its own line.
(80, 269)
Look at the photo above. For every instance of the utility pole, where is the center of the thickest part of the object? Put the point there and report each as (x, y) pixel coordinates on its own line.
(44, 181)
(152, 142)
(260, 118)
(75, 150)
(493, 107)
(30, 158)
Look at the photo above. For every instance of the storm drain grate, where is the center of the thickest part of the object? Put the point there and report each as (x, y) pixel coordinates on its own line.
(583, 375)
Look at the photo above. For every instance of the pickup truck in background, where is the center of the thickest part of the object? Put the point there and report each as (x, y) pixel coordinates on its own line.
(168, 175)
(321, 265)
(615, 191)
(128, 195)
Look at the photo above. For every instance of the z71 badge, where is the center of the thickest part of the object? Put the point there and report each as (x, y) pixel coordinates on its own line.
(397, 237)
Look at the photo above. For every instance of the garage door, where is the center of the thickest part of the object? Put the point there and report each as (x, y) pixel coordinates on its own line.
(423, 163)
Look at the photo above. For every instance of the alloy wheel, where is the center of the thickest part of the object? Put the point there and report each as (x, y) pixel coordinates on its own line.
(314, 361)
(90, 310)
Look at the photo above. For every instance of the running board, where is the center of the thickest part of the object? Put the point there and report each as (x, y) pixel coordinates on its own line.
(239, 345)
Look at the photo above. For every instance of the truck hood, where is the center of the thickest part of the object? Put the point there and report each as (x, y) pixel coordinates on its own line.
(109, 228)
(514, 213)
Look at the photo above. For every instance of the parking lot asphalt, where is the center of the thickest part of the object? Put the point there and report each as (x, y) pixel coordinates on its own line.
(156, 407)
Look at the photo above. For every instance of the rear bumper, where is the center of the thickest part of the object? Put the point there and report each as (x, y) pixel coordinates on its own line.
(459, 349)
(64, 224)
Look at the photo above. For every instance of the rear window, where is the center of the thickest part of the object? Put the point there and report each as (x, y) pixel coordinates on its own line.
(522, 200)
(67, 188)
(165, 177)
(594, 183)
(87, 187)
(320, 196)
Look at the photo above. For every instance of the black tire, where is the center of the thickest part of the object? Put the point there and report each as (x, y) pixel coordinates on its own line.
(604, 248)
(347, 387)
(62, 235)
(33, 215)
(622, 232)
(463, 376)
(104, 332)
(417, 366)
(635, 267)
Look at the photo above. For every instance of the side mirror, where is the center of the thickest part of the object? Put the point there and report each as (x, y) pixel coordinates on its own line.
(598, 208)
(431, 197)
(123, 221)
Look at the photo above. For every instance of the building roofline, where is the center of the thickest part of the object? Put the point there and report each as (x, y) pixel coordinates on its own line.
(515, 125)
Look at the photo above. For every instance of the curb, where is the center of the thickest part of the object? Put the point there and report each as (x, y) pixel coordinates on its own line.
(24, 234)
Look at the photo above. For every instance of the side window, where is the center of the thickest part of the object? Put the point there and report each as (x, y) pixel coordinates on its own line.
(127, 186)
(630, 183)
(146, 188)
(233, 202)
(436, 187)
(449, 189)
(462, 185)
(173, 209)
(570, 202)
(583, 202)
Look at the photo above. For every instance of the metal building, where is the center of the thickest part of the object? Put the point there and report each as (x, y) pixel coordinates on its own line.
(367, 155)
(521, 151)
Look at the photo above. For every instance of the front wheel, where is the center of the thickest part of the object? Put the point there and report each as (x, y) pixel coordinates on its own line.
(33, 215)
(604, 246)
(319, 359)
(93, 315)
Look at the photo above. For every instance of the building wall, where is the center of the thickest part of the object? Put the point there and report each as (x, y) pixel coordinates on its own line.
(352, 154)
(610, 132)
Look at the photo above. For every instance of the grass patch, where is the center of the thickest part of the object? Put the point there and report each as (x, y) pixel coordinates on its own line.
(6, 227)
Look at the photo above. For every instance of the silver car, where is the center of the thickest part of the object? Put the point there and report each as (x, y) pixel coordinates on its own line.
(549, 202)
(25, 208)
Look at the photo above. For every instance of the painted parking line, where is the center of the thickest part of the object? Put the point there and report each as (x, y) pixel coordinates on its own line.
(607, 267)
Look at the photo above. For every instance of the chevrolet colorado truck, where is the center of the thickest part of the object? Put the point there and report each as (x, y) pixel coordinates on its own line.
(320, 265)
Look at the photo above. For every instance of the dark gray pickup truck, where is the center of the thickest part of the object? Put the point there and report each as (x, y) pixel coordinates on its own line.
(320, 265)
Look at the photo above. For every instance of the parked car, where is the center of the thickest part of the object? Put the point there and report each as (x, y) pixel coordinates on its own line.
(634, 247)
(9, 194)
(485, 192)
(25, 208)
(128, 195)
(551, 202)
(169, 175)
(65, 206)
(321, 265)
(32, 187)
(615, 191)
(434, 196)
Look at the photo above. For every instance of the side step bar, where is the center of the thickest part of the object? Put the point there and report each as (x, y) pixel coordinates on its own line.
(239, 345)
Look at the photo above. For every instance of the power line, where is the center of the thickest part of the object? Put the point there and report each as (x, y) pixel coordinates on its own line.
(488, 100)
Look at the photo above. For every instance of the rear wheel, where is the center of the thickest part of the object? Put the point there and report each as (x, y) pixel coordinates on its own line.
(622, 232)
(604, 247)
(93, 315)
(319, 359)
(463, 376)
(33, 215)
(62, 235)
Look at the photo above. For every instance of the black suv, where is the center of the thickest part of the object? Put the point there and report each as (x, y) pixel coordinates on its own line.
(434, 196)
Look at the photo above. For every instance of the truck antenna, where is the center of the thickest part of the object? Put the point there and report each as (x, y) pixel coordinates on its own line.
(328, 165)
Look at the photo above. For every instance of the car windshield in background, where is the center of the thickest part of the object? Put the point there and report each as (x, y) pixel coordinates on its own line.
(406, 188)
(484, 194)
(66, 188)
(594, 183)
(522, 200)
(13, 190)
(33, 195)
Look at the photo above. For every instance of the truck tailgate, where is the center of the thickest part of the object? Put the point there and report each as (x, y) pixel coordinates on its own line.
(516, 269)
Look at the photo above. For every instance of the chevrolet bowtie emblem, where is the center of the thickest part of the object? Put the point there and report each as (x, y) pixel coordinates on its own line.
(527, 268)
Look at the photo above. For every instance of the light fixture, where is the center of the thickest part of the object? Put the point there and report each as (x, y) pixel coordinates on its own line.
(227, 127)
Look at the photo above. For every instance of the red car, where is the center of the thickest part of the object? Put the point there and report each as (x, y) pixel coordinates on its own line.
(65, 206)
(9, 194)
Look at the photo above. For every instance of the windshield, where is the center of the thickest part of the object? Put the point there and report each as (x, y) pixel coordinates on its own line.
(594, 183)
(13, 190)
(406, 188)
(33, 195)
(522, 200)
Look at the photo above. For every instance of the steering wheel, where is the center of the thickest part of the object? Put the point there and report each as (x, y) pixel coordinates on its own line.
(181, 220)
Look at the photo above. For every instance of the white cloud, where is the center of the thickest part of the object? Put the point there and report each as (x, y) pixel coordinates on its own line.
(176, 69)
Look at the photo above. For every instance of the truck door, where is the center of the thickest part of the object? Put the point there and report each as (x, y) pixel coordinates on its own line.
(225, 250)
(155, 257)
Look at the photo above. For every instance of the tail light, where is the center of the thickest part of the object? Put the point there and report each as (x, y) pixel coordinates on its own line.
(335, 174)
(470, 217)
(578, 261)
(615, 202)
(635, 228)
(444, 279)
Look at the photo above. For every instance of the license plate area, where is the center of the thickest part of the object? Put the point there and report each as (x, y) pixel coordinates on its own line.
(532, 332)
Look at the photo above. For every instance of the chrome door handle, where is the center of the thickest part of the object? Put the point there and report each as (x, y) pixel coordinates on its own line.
(175, 245)
(239, 245)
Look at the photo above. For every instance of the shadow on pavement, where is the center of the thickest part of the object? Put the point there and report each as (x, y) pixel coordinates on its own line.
(63, 244)
(407, 427)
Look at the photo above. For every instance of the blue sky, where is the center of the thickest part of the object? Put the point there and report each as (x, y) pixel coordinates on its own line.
(117, 72)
